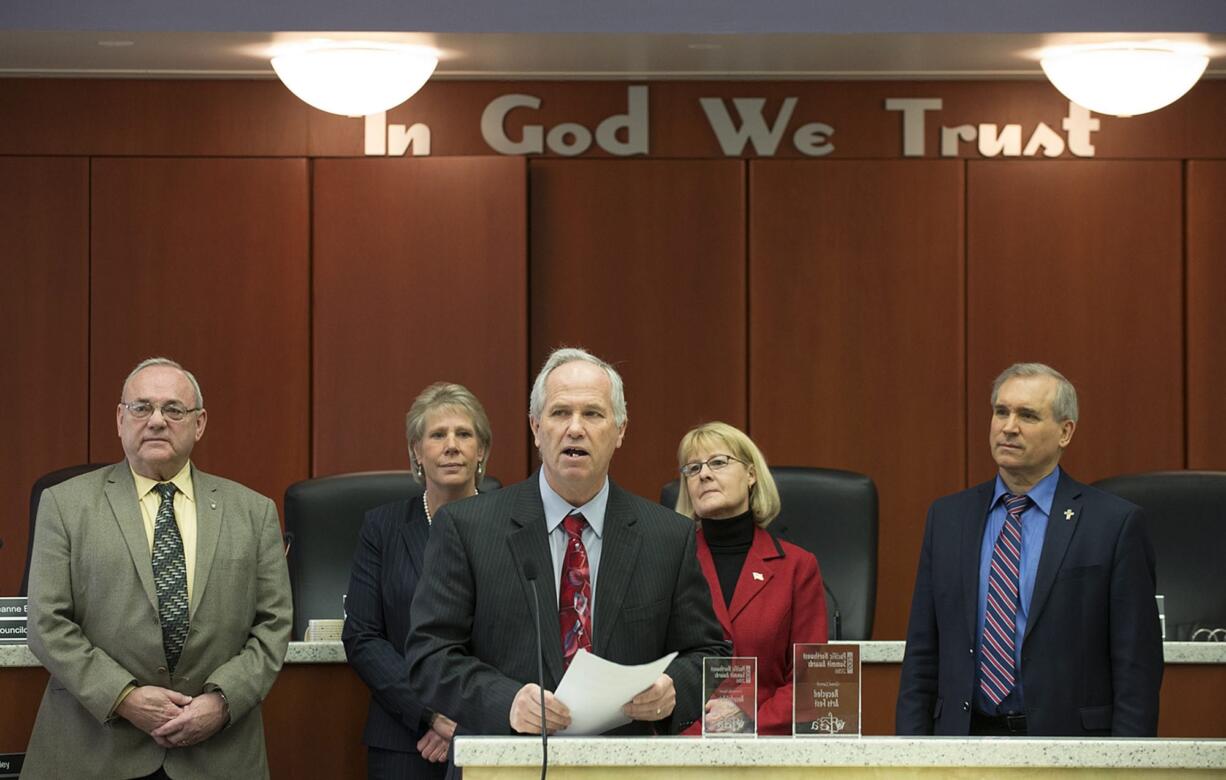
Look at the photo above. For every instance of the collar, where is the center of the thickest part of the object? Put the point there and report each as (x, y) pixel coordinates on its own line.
(182, 481)
(557, 508)
(733, 532)
(1042, 494)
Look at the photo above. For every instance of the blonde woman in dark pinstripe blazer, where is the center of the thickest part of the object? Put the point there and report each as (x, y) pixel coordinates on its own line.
(449, 442)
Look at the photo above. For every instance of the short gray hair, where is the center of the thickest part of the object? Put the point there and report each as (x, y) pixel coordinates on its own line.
(1063, 406)
(444, 395)
(164, 361)
(562, 355)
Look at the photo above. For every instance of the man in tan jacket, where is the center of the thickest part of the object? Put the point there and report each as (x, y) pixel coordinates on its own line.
(159, 603)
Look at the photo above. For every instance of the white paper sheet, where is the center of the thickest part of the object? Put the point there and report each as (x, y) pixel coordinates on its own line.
(595, 690)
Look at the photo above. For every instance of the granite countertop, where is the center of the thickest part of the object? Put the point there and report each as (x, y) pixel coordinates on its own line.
(889, 652)
(846, 752)
(299, 653)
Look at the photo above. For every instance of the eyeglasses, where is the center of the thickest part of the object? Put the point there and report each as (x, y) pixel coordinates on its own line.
(143, 410)
(715, 463)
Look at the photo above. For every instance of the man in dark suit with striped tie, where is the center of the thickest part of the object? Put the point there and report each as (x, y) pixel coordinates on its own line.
(616, 575)
(1033, 611)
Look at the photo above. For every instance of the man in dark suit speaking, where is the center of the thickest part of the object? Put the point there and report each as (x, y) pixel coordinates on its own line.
(1034, 609)
(617, 576)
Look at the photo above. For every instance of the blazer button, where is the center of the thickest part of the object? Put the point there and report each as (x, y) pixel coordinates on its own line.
(966, 706)
(161, 670)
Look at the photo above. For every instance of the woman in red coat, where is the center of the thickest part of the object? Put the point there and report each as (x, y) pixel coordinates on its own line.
(767, 593)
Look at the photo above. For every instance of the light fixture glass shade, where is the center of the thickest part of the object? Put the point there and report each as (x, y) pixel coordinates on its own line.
(1124, 79)
(355, 79)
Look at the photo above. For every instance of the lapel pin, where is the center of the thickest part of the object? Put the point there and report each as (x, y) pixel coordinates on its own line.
(757, 575)
(212, 505)
(1068, 514)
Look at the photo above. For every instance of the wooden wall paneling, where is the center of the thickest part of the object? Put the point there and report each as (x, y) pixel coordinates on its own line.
(21, 690)
(313, 722)
(856, 337)
(420, 276)
(1078, 265)
(1186, 706)
(643, 263)
(1206, 317)
(44, 306)
(148, 117)
(206, 261)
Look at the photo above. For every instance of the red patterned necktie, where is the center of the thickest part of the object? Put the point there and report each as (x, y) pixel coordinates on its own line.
(575, 595)
(997, 670)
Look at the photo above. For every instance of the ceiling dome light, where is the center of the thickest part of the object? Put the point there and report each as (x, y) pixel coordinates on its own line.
(1124, 79)
(355, 79)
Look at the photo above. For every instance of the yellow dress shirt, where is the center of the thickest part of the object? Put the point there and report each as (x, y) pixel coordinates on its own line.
(185, 515)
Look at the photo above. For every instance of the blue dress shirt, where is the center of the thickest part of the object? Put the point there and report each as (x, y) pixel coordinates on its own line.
(1034, 529)
(556, 510)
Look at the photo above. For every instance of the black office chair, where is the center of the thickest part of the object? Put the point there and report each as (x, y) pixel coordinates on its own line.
(322, 519)
(36, 493)
(1185, 515)
(833, 514)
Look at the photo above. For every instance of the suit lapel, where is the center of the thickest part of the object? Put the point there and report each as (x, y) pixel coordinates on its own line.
(209, 511)
(121, 494)
(619, 553)
(1060, 530)
(972, 545)
(757, 571)
(414, 532)
(530, 542)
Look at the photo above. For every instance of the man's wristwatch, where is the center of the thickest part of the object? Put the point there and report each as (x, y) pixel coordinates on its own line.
(225, 703)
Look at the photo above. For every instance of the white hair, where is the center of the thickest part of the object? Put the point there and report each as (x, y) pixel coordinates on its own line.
(562, 355)
(163, 361)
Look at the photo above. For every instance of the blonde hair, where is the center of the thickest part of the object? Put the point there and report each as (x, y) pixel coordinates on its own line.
(721, 437)
(447, 395)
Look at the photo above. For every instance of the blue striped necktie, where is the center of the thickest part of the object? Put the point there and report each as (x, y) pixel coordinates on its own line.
(997, 669)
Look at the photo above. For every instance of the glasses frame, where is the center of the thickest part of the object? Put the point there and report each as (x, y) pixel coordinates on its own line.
(158, 408)
(700, 463)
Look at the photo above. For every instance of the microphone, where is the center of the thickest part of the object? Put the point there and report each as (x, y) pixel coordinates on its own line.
(530, 575)
(838, 613)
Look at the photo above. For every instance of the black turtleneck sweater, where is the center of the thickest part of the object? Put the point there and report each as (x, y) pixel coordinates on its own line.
(729, 541)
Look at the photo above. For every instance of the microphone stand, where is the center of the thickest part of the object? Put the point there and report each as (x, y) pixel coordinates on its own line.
(530, 575)
(838, 613)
